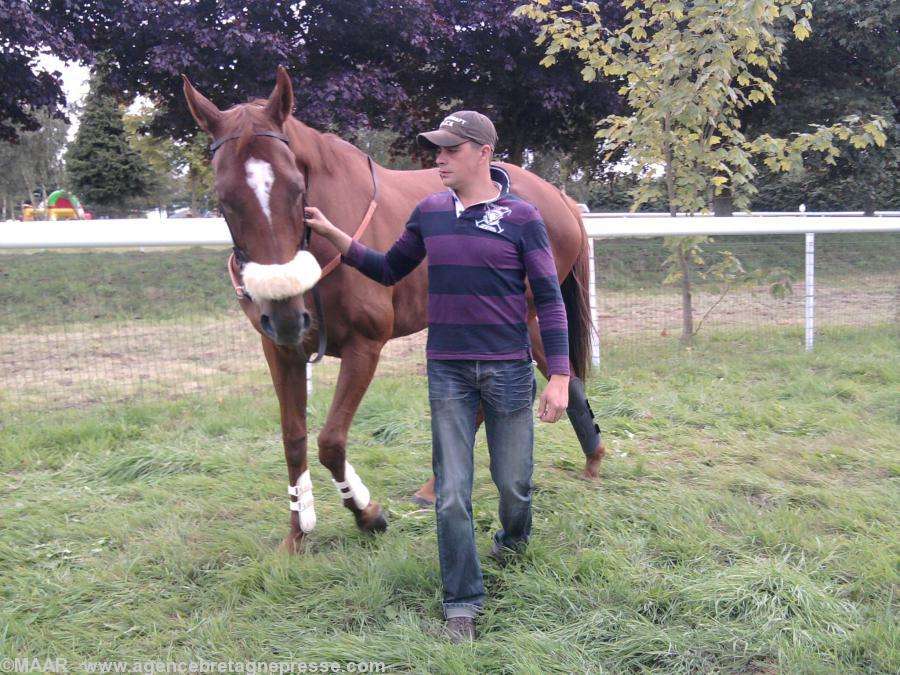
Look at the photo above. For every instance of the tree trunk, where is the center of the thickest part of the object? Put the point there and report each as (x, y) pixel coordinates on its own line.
(684, 259)
(670, 176)
(517, 150)
(564, 172)
(29, 186)
(687, 306)
(195, 209)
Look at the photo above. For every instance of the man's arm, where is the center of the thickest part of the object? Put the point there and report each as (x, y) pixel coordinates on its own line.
(385, 268)
(541, 272)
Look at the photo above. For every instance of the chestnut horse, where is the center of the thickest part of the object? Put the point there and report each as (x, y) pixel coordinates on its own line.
(267, 166)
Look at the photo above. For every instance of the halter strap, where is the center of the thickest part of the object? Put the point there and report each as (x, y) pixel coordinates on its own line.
(363, 226)
(215, 145)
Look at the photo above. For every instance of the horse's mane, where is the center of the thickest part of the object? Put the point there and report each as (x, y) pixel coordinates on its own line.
(246, 124)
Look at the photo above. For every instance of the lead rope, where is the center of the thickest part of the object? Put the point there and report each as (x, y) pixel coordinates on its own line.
(317, 297)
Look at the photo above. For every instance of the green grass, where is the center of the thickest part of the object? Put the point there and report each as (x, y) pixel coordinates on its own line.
(746, 523)
(49, 288)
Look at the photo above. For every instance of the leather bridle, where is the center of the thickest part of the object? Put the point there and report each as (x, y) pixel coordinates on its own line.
(239, 258)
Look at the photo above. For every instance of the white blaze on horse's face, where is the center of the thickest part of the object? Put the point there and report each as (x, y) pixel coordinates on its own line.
(260, 178)
(275, 282)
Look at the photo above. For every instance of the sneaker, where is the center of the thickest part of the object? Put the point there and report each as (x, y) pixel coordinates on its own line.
(503, 555)
(460, 629)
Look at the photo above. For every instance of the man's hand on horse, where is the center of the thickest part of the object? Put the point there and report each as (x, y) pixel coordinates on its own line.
(554, 399)
(319, 224)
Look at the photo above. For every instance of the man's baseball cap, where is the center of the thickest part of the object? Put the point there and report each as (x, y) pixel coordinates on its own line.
(462, 126)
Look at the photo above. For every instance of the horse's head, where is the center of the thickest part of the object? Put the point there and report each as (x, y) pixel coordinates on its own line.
(260, 190)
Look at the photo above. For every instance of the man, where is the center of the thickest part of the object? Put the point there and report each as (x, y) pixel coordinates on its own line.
(482, 242)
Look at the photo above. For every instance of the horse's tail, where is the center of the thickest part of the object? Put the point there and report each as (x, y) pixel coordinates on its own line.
(576, 296)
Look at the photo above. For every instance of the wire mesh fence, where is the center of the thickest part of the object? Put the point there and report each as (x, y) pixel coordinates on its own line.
(85, 327)
(857, 283)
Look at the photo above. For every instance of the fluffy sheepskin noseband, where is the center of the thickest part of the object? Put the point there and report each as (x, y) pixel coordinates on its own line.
(279, 282)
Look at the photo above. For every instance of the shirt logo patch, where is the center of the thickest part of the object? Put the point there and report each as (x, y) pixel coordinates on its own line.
(492, 217)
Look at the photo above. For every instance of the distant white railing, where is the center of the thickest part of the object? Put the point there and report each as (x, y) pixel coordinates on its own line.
(214, 232)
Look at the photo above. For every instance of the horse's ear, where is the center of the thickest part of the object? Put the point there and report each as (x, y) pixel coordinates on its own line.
(281, 102)
(202, 109)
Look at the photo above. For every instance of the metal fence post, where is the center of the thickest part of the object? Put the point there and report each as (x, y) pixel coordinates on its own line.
(810, 290)
(595, 332)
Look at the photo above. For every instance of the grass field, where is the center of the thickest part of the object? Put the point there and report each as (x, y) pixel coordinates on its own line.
(746, 522)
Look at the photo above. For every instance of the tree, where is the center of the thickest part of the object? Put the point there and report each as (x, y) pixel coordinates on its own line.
(103, 169)
(179, 170)
(41, 163)
(488, 60)
(381, 64)
(32, 165)
(851, 67)
(688, 70)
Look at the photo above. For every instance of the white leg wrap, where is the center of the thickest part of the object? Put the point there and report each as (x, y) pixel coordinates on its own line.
(304, 504)
(352, 487)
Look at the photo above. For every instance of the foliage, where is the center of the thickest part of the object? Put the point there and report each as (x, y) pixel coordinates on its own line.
(179, 170)
(688, 70)
(380, 64)
(102, 166)
(164, 184)
(26, 29)
(852, 67)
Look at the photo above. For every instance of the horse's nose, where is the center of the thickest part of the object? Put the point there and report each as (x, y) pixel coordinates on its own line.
(267, 326)
(286, 329)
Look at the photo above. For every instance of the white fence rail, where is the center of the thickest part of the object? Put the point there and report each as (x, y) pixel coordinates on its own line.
(213, 231)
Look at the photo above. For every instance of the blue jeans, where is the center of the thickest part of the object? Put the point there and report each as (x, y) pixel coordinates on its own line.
(506, 390)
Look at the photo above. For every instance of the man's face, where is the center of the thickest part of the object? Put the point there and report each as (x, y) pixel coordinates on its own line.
(458, 165)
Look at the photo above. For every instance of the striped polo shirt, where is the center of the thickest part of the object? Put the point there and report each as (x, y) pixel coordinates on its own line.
(478, 260)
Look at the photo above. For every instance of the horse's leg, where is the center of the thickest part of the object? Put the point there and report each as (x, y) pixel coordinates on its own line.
(288, 372)
(579, 411)
(358, 362)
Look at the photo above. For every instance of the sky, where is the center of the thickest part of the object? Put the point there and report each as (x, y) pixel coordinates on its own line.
(74, 76)
(75, 84)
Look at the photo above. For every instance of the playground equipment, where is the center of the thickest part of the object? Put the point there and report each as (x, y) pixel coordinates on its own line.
(61, 205)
